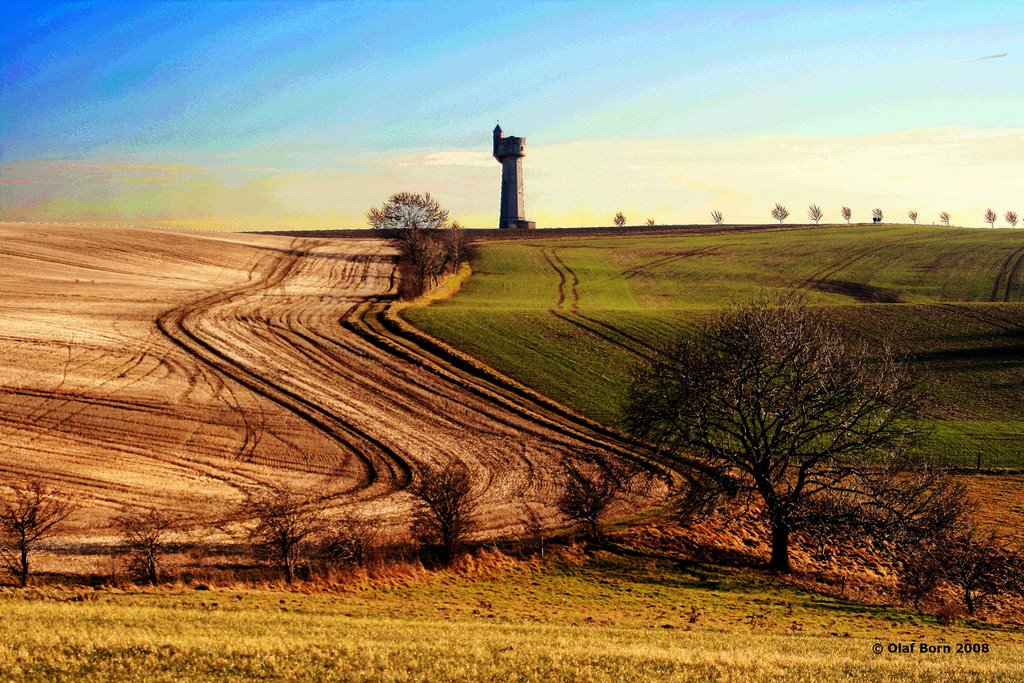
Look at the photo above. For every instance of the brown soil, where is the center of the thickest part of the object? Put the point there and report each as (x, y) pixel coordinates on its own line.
(172, 369)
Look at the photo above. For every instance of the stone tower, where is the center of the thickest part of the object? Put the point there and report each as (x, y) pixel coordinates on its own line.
(509, 151)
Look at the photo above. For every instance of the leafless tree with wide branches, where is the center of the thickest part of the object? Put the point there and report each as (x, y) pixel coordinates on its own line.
(447, 508)
(847, 214)
(770, 398)
(146, 535)
(415, 220)
(30, 511)
(589, 492)
(977, 563)
(282, 522)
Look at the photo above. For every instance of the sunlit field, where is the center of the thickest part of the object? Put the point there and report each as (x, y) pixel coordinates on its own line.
(611, 618)
(571, 317)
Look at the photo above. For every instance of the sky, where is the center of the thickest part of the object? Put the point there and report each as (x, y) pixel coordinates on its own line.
(260, 115)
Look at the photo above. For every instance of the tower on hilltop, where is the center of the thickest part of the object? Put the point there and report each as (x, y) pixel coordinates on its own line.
(509, 151)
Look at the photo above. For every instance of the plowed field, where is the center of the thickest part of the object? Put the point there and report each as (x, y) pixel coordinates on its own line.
(173, 369)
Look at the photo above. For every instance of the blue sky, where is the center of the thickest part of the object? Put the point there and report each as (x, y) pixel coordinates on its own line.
(300, 87)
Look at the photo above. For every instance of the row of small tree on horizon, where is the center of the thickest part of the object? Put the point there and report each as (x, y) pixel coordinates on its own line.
(814, 213)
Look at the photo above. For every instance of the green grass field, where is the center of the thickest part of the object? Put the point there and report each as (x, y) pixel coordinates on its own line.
(609, 618)
(571, 317)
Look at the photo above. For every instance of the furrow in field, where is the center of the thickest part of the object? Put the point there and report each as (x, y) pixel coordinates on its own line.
(644, 268)
(1007, 274)
(185, 327)
(178, 386)
(604, 331)
(561, 278)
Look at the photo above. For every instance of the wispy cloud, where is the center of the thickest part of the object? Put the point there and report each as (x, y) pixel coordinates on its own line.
(977, 59)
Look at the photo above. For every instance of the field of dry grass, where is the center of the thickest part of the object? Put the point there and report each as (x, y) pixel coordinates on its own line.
(606, 617)
(172, 369)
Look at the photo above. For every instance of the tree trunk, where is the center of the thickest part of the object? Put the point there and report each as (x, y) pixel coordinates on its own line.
(23, 570)
(288, 565)
(969, 595)
(780, 546)
(151, 568)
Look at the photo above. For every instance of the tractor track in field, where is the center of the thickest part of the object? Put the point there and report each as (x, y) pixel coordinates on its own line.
(643, 268)
(1006, 276)
(561, 278)
(598, 328)
(293, 365)
(827, 272)
(374, 456)
(979, 314)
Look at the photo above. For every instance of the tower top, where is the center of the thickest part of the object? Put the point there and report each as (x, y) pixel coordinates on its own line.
(497, 128)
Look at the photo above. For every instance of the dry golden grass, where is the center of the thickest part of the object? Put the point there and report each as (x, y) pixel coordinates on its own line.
(606, 618)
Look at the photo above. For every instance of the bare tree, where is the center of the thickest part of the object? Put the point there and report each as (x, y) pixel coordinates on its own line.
(30, 510)
(282, 523)
(780, 213)
(414, 219)
(1011, 218)
(447, 508)
(458, 245)
(976, 563)
(876, 214)
(650, 221)
(919, 572)
(408, 212)
(354, 540)
(587, 496)
(814, 213)
(619, 220)
(944, 218)
(847, 214)
(907, 502)
(146, 536)
(990, 218)
(944, 508)
(912, 215)
(434, 259)
(773, 398)
(716, 216)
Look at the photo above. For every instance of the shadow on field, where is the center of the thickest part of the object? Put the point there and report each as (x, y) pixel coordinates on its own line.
(862, 292)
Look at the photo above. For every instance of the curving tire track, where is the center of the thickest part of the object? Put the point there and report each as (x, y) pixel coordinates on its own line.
(179, 326)
(600, 329)
(384, 393)
(284, 359)
(1006, 276)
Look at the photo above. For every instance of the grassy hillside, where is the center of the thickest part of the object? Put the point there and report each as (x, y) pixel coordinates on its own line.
(610, 618)
(571, 317)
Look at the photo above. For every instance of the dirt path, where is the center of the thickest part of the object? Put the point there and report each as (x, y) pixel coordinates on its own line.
(173, 369)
